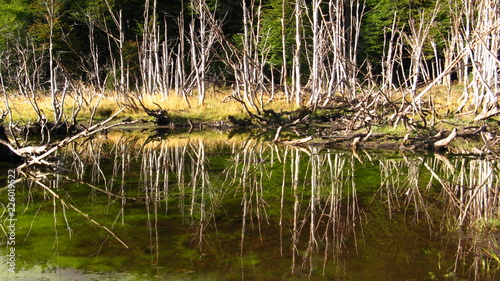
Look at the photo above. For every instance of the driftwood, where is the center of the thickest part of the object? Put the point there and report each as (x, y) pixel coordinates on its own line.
(14, 155)
(37, 154)
(8, 153)
(355, 142)
(488, 114)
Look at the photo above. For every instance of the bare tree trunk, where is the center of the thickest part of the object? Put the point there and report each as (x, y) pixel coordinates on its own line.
(459, 31)
(180, 77)
(203, 52)
(390, 56)
(146, 54)
(94, 76)
(356, 13)
(51, 18)
(28, 73)
(119, 40)
(296, 56)
(201, 39)
(419, 34)
(317, 45)
(484, 58)
(284, 69)
(247, 50)
(166, 62)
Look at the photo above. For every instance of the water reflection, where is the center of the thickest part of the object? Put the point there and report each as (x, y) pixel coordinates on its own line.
(198, 208)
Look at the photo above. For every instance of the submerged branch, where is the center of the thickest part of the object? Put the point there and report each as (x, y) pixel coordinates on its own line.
(97, 188)
(71, 206)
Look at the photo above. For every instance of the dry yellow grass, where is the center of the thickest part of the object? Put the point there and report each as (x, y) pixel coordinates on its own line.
(216, 106)
(213, 108)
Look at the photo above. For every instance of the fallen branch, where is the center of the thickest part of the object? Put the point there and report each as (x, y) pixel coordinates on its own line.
(444, 142)
(89, 131)
(277, 135)
(367, 136)
(299, 141)
(485, 115)
(24, 151)
(355, 142)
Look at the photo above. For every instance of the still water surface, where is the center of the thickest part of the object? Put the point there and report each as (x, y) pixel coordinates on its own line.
(130, 206)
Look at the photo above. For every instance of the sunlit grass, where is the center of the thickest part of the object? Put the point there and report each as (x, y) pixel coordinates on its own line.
(390, 130)
(217, 106)
(446, 99)
(214, 107)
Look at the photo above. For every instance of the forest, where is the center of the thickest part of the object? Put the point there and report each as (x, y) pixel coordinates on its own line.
(369, 62)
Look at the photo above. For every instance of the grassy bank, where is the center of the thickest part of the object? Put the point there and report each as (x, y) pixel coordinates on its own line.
(441, 104)
(217, 106)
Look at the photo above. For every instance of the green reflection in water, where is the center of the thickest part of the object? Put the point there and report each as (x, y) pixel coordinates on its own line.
(194, 208)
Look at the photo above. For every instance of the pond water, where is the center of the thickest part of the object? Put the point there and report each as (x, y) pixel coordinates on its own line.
(210, 206)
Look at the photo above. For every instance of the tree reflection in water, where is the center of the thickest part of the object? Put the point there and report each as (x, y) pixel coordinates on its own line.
(297, 207)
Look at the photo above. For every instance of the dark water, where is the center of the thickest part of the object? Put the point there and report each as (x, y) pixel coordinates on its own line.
(208, 207)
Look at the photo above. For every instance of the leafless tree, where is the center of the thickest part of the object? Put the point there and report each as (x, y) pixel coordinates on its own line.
(201, 39)
(297, 86)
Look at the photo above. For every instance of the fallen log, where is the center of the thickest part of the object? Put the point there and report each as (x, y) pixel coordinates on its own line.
(444, 142)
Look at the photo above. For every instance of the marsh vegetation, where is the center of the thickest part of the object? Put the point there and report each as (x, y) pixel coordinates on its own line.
(347, 139)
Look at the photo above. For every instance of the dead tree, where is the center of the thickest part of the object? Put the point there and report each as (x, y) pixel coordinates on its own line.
(484, 57)
(297, 87)
(201, 41)
(116, 38)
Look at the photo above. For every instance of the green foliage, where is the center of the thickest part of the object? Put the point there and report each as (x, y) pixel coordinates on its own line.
(15, 15)
(380, 17)
(272, 29)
